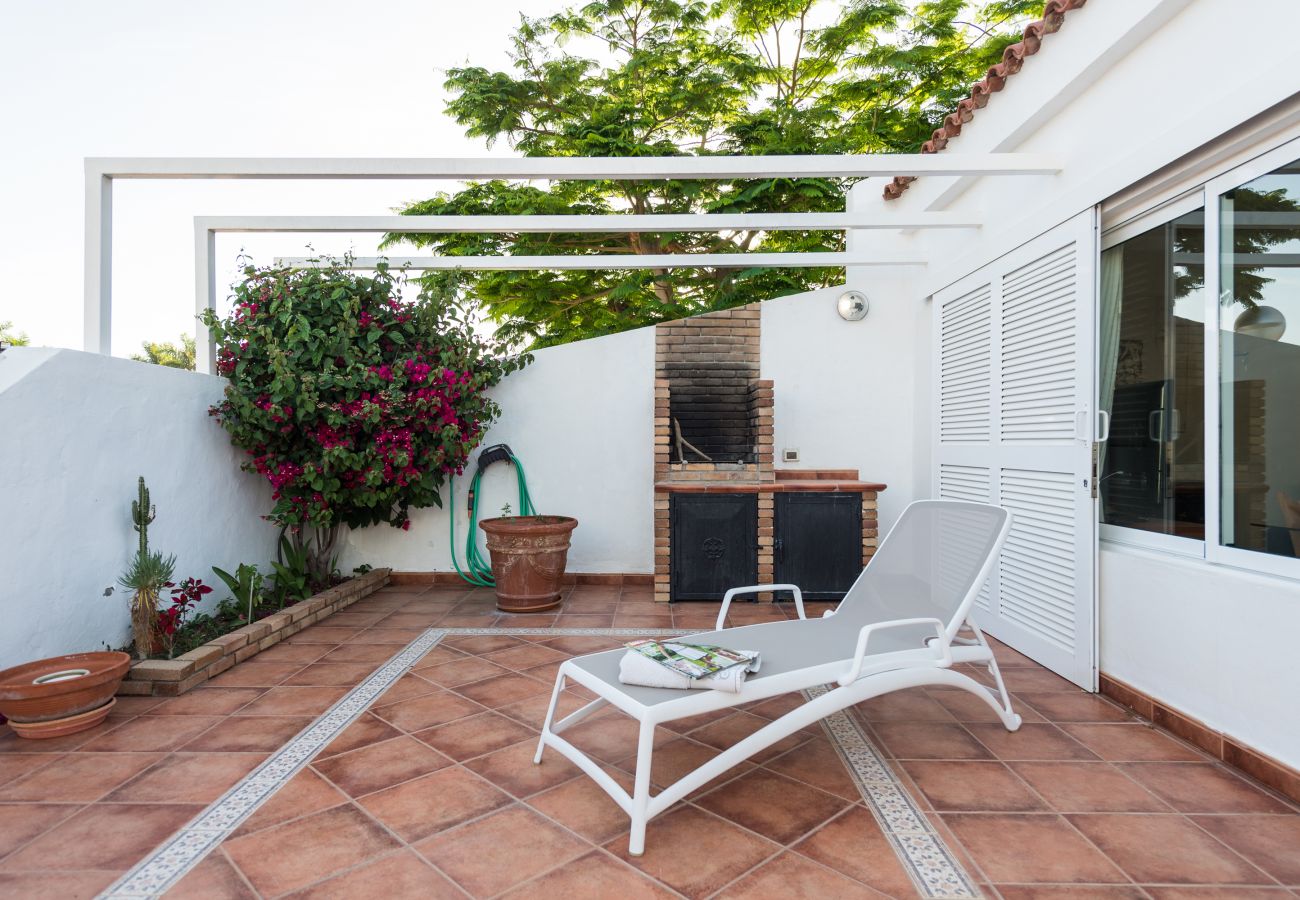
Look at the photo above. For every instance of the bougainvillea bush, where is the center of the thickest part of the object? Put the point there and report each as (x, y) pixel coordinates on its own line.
(354, 403)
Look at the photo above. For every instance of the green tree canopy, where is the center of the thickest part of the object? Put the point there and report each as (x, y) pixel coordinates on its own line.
(168, 354)
(670, 78)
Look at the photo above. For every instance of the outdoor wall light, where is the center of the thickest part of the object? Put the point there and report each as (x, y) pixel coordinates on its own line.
(852, 306)
(1262, 322)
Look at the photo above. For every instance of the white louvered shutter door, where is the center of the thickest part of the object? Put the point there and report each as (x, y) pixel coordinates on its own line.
(1015, 376)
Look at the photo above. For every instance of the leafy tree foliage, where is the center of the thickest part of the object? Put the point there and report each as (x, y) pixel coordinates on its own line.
(8, 335)
(681, 78)
(168, 354)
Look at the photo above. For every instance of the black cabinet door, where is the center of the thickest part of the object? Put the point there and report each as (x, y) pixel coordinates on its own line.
(818, 542)
(714, 544)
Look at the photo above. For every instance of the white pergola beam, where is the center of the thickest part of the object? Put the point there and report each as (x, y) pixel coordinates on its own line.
(538, 224)
(588, 168)
(607, 261)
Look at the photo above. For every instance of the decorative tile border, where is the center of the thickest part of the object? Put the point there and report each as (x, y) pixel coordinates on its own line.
(932, 866)
(928, 861)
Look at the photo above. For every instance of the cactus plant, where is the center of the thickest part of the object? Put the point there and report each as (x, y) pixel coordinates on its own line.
(146, 576)
(143, 513)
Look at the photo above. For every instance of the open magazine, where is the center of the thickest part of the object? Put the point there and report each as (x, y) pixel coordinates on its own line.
(694, 660)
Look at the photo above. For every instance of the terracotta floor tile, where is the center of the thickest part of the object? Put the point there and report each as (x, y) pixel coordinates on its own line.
(972, 786)
(817, 763)
(460, 620)
(377, 766)
(359, 619)
(408, 619)
(208, 701)
(55, 885)
(1088, 787)
(912, 705)
(287, 653)
(532, 712)
(1236, 892)
(513, 770)
(1024, 848)
(214, 877)
(427, 805)
(249, 733)
(1270, 842)
(583, 807)
(399, 637)
(1070, 892)
(256, 673)
(596, 876)
(361, 653)
(476, 735)
(776, 707)
(438, 655)
(480, 643)
(966, 707)
(502, 690)
(306, 793)
(525, 657)
(584, 620)
(1202, 788)
(636, 620)
(791, 875)
(427, 711)
(465, 670)
(1031, 741)
(695, 853)
(297, 853)
(1059, 706)
(581, 644)
(1126, 743)
(11, 743)
(366, 730)
(78, 777)
(21, 822)
(776, 807)
(678, 757)
(149, 733)
(730, 730)
(1162, 849)
(407, 687)
(187, 778)
(326, 634)
(1035, 678)
(397, 876)
(611, 738)
(102, 836)
(332, 673)
(129, 707)
(853, 844)
(500, 850)
(928, 740)
(285, 700)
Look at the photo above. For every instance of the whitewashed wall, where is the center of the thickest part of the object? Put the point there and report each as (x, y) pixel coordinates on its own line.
(1107, 97)
(76, 431)
(581, 419)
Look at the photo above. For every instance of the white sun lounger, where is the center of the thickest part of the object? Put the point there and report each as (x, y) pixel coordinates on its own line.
(897, 627)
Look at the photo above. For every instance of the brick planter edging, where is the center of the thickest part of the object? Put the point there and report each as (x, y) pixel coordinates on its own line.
(173, 677)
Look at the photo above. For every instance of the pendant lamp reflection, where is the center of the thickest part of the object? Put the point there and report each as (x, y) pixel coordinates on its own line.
(1265, 322)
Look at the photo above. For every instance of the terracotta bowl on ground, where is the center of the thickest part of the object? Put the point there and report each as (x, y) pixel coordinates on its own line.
(60, 688)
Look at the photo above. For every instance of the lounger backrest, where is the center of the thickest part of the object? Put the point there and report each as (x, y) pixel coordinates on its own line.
(932, 564)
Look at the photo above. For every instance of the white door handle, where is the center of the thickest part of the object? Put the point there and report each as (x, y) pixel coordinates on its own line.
(1103, 426)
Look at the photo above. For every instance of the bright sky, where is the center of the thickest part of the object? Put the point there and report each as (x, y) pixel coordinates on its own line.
(85, 78)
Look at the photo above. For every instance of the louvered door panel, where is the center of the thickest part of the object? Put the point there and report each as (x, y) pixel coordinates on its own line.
(1014, 386)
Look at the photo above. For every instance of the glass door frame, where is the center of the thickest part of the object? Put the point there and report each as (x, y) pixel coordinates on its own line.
(1111, 237)
(1253, 560)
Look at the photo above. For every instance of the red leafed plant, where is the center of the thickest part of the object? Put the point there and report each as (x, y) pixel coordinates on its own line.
(353, 402)
(185, 597)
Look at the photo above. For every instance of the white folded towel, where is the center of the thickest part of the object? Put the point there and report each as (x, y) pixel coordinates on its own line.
(639, 669)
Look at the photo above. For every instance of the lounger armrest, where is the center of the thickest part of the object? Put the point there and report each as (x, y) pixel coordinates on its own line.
(860, 653)
(758, 589)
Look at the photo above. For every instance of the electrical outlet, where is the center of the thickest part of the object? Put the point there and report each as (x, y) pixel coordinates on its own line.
(790, 455)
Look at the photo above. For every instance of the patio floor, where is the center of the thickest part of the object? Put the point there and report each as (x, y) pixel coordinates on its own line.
(432, 791)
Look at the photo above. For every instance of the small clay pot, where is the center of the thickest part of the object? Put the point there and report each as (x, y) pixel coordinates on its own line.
(528, 558)
(61, 688)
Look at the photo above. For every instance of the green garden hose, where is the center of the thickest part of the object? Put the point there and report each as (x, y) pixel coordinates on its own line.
(477, 570)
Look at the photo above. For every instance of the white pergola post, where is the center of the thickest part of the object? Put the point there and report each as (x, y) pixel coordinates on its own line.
(97, 321)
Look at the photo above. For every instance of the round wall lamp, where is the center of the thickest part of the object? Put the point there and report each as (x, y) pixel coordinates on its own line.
(852, 306)
(1262, 322)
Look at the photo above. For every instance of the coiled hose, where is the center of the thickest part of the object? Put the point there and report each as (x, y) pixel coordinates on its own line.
(478, 571)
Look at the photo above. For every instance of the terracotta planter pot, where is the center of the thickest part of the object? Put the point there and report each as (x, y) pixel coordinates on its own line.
(61, 688)
(528, 557)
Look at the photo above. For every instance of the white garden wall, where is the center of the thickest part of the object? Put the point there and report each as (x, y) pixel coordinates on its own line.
(581, 419)
(76, 431)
